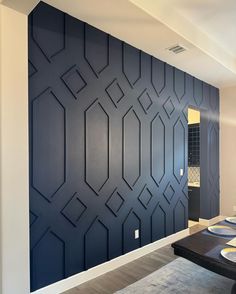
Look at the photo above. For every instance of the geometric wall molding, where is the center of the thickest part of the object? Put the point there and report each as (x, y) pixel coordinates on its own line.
(48, 144)
(74, 81)
(158, 223)
(115, 202)
(74, 209)
(107, 139)
(158, 75)
(96, 146)
(115, 92)
(99, 233)
(179, 84)
(131, 64)
(157, 149)
(169, 107)
(97, 56)
(131, 223)
(198, 91)
(179, 149)
(131, 151)
(52, 40)
(145, 101)
(145, 197)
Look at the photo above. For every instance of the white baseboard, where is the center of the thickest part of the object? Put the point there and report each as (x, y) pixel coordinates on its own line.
(212, 221)
(101, 269)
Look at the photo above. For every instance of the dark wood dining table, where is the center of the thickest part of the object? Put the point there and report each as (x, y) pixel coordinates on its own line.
(203, 248)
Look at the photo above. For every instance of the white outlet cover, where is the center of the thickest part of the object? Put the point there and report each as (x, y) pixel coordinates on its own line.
(136, 234)
(181, 172)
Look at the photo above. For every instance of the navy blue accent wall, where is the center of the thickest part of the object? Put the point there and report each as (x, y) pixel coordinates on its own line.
(108, 137)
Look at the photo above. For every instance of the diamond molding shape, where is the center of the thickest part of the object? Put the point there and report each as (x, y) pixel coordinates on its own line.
(115, 92)
(169, 107)
(73, 210)
(49, 166)
(74, 81)
(145, 197)
(115, 202)
(169, 192)
(145, 101)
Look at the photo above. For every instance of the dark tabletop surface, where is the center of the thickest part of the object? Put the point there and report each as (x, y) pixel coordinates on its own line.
(203, 248)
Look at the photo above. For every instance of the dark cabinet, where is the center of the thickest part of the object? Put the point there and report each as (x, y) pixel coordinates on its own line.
(194, 203)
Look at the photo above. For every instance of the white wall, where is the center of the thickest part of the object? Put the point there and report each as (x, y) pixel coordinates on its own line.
(14, 213)
(228, 150)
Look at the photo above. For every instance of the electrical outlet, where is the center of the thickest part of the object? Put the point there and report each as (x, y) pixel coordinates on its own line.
(234, 208)
(136, 234)
(181, 172)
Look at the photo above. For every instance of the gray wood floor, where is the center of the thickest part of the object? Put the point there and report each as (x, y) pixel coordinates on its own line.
(129, 273)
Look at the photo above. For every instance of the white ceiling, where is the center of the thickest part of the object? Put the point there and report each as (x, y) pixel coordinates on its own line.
(215, 17)
(208, 25)
(207, 28)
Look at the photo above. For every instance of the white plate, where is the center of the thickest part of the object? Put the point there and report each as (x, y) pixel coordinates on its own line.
(229, 253)
(222, 230)
(231, 220)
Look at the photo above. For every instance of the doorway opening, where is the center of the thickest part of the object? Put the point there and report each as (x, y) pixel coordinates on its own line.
(194, 166)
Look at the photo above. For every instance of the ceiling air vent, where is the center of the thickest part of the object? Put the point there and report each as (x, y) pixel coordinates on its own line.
(176, 49)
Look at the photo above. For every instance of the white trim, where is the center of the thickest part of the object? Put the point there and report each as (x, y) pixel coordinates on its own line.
(101, 269)
(212, 221)
(14, 154)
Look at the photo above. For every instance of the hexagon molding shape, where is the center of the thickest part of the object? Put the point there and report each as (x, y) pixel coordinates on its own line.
(157, 155)
(178, 144)
(49, 127)
(131, 63)
(100, 253)
(131, 147)
(96, 57)
(96, 146)
(47, 33)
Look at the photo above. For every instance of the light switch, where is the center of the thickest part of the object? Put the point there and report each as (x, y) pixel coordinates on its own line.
(181, 172)
(136, 234)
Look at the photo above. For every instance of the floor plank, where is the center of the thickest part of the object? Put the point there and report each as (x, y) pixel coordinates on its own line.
(131, 272)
